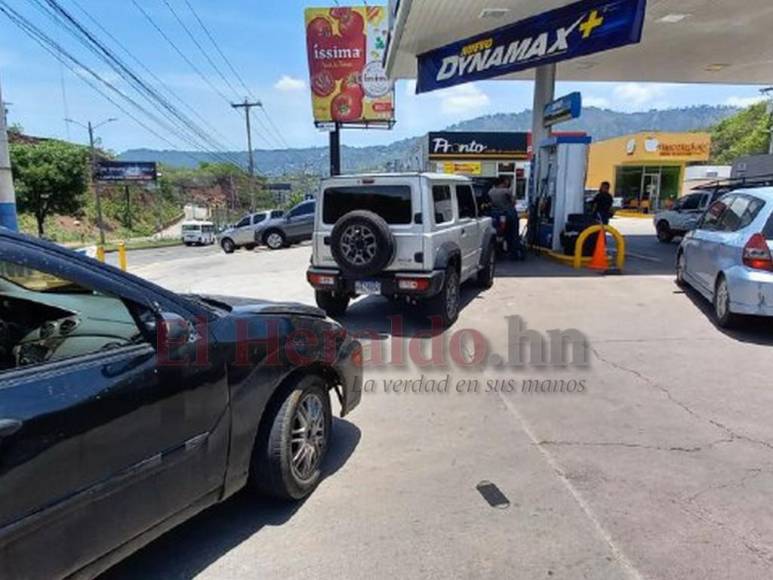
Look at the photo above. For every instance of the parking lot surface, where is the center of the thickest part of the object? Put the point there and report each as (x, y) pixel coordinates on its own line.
(660, 466)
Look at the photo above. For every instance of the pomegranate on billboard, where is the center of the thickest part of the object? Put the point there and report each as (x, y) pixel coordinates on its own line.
(345, 48)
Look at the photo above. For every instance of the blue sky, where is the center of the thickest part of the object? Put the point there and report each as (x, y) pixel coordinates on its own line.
(267, 47)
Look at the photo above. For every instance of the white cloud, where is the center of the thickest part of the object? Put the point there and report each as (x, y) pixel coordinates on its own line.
(599, 102)
(639, 95)
(289, 84)
(462, 99)
(743, 102)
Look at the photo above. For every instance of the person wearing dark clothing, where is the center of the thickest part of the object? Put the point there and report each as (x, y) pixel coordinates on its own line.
(503, 203)
(602, 204)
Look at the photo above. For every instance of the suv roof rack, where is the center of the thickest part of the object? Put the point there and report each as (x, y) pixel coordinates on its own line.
(733, 183)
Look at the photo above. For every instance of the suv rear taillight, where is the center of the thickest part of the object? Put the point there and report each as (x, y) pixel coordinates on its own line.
(756, 253)
(321, 280)
(413, 284)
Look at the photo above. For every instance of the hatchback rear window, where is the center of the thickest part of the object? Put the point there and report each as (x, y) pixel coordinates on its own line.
(391, 202)
(768, 231)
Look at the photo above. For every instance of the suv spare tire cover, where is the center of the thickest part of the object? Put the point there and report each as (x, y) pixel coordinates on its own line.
(362, 243)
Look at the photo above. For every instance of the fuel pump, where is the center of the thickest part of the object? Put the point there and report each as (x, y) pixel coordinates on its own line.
(560, 170)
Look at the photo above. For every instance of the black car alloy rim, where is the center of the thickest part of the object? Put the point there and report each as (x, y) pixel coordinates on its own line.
(358, 245)
(309, 436)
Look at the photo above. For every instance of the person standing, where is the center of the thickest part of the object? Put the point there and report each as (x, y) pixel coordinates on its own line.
(602, 203)
(503, 202)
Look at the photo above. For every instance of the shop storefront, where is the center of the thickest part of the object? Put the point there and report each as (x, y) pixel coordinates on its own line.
(483, 156)
(646, 170)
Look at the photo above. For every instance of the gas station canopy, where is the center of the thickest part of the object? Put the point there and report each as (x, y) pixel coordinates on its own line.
(684, 41)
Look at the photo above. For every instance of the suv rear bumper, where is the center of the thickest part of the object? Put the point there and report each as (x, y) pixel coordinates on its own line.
(390, 282)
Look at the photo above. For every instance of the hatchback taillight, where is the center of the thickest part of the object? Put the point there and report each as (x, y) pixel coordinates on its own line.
(756, 253)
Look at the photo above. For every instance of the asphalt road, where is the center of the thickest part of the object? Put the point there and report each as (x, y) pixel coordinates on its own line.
(659, 467)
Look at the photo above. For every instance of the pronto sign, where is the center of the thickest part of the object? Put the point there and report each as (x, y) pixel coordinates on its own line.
(478, 145)
(345, 49)
(576, 30)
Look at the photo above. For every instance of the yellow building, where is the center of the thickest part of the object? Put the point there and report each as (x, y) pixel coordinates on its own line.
(646, 169)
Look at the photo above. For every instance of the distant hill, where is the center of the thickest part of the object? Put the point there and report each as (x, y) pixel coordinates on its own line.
(600, 123)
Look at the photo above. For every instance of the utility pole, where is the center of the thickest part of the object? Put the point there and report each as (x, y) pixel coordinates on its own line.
(247, 106)
(93, 151)
(7, 193)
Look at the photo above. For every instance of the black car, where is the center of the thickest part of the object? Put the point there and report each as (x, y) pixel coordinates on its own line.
(126, 409)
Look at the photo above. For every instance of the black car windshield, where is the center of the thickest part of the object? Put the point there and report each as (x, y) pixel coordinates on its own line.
(391, 202)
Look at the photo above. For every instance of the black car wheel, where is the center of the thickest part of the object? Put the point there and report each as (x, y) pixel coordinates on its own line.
(665, 235)
(332, 303)
(274, 239)
(446, 303)
(362, 243)
(681, 265)
(724, 317)
(486, 275)
(287, 459)
(228, 246)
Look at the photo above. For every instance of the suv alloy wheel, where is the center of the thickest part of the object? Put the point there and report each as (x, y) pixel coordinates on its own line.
(446, 303)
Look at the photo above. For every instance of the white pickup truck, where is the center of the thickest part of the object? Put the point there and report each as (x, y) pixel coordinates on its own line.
(413, 236)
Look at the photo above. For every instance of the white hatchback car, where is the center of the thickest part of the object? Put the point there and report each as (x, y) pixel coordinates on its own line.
(728, 256)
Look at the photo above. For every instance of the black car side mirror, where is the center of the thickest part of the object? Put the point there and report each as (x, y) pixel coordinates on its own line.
(172, 330)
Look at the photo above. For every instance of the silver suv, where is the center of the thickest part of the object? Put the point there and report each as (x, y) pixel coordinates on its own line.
(295, 226)
(242, 235)
(415, 237)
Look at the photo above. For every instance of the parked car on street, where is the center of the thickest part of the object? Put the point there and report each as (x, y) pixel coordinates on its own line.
(200, 233)
(683, 216)
(242, 235)
(295, 226)
(413, 236)
(727, 257)
(126, 409)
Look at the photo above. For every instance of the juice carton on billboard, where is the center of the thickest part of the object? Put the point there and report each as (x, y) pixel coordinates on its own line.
(345, 48)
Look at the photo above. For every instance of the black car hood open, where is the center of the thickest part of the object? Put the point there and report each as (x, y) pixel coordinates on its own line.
(241, 305)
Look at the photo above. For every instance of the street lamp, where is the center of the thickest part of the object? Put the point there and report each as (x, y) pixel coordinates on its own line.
(91, 128)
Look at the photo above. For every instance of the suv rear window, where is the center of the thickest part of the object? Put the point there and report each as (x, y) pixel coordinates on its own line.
(391, 202)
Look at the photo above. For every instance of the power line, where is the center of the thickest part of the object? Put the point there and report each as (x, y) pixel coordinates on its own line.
(219, 51)
(83, 71)
(180, 52)
(201, 48)
(144, 67)
(182, 123)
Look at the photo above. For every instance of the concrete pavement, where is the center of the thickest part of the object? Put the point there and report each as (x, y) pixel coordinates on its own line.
(660, 468)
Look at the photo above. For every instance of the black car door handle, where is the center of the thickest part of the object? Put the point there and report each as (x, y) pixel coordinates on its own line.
(9, 427)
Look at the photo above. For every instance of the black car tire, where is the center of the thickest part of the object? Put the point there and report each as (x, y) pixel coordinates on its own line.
(362, 243)
(486, 275)
(446, 303)
(332, 303)
(275, 239)
(721, 303)
(665, 235)
(228, 246)
(681, 265)
(273, 471)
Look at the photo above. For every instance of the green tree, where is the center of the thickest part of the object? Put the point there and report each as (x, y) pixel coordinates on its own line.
(49, 177)
(745, 133)
(294, 199)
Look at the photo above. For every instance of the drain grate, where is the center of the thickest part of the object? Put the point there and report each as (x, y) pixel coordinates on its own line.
(493, 495)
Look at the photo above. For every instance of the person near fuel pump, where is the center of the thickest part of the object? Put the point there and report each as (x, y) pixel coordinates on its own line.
(602, 204)
(503, 203)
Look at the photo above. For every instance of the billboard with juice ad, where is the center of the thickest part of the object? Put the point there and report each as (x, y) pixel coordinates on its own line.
(345, 48)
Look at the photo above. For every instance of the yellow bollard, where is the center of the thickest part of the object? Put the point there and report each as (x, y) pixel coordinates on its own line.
(122, 255)
(619, 244)
(101, 253)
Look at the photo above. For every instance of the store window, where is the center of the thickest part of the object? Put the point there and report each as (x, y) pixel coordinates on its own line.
(441, 197)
